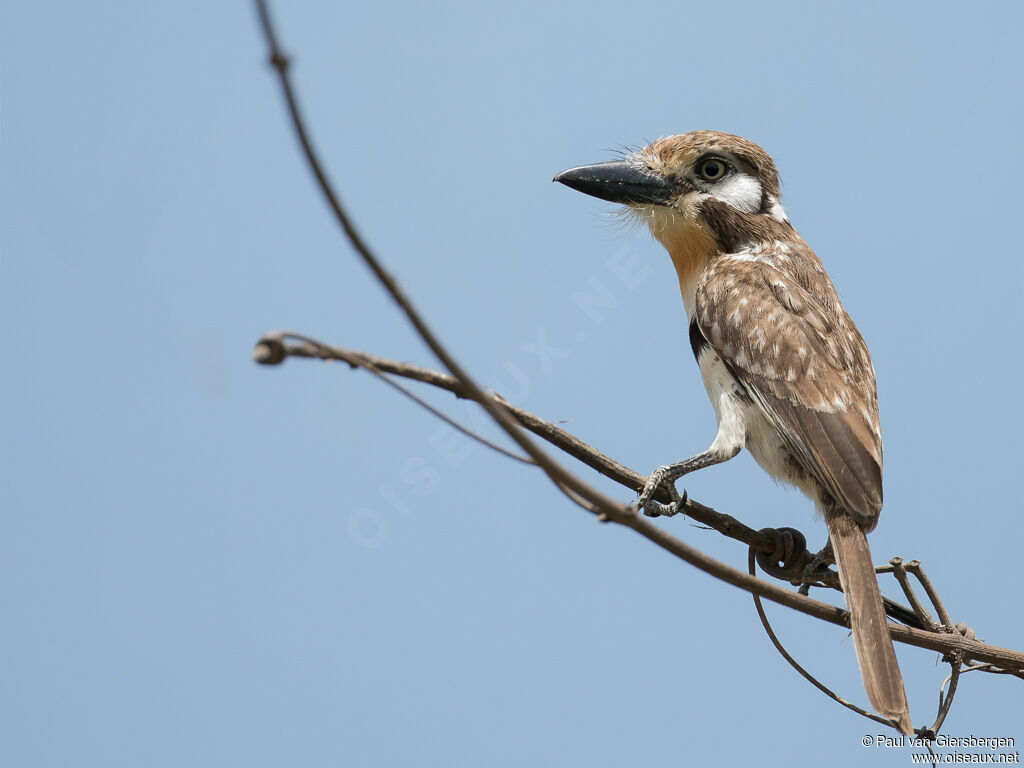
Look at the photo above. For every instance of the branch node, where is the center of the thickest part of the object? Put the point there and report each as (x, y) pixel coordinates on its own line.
(269, 350)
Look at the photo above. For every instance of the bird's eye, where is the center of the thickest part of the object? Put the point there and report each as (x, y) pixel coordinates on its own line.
(712, 169)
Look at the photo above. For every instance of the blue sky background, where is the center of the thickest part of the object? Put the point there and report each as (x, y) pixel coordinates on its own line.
(205, 562)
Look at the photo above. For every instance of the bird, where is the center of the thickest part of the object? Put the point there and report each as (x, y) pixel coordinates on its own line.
(785, 367)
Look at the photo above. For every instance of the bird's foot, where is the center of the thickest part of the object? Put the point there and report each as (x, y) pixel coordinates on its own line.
(661, 478)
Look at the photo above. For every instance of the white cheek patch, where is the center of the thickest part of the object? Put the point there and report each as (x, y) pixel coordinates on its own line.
(776, 209)
(741, 191)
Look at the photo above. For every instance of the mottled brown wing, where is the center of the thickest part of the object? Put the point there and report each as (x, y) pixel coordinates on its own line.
(802, 360)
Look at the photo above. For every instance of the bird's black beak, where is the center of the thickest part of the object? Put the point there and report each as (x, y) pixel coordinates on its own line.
(618, 181)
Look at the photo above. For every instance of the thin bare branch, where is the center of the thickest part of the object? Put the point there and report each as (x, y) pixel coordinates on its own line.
(946, 701)
(914, 566)
(271, 350)
(512, 420)
(355, 360)
(562, 478)
(898, 570)
(751, 559)
(275, 347)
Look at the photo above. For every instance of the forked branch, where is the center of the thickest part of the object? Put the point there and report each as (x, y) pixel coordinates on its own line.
(275, 348)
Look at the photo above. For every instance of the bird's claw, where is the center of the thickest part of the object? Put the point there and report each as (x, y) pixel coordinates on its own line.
(646, 504)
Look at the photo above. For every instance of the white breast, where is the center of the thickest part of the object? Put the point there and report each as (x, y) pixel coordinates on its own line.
(724, 392)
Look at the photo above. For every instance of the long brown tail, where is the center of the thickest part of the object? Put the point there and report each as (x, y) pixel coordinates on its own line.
(875, 654)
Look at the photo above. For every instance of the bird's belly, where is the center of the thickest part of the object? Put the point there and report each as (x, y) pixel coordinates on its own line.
(770, 452)
(742, 423)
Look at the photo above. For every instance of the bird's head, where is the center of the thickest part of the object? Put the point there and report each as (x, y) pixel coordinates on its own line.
(720, 182)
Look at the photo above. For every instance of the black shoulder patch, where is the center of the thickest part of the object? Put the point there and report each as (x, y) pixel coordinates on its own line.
(697, 341)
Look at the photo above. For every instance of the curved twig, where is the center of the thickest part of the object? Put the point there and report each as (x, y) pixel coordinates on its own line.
(273, 344)
(580, 492)
(751, 558)
(590, 497)
(270, 350)
(273, 349)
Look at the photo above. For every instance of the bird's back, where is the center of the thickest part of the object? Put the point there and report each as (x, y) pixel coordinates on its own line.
(773, 316)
